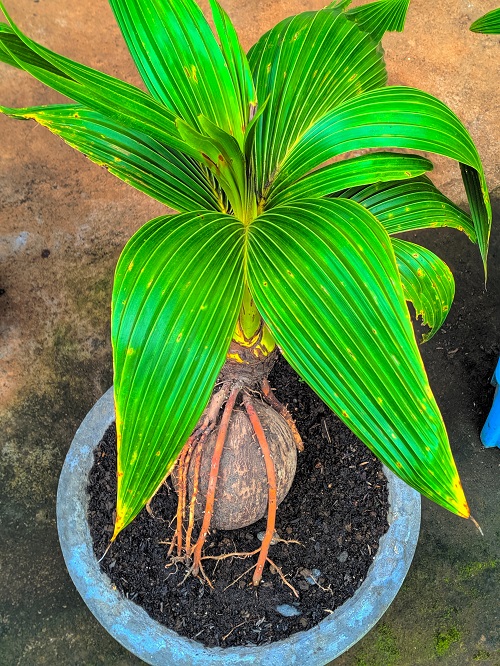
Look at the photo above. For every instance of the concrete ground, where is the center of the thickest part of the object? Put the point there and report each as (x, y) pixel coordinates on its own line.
(63, 222)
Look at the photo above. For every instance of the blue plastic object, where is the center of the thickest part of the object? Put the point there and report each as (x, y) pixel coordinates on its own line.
(490, 434)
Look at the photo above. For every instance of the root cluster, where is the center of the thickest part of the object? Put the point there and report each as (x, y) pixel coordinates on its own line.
(234, 418)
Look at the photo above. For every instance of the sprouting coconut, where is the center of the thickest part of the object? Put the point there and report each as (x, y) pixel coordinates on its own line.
(241, 494)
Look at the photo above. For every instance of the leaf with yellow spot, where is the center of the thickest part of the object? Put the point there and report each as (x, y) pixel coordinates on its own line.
(180, 61)
(353, 172)
(430, 208)
(396, 117)
(427, 283)
(303, 66)
(236, 62)
(162, 173)
(161, 389)
(380, 17)
(380, 397)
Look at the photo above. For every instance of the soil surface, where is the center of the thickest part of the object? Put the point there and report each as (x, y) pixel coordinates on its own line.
(336, 511)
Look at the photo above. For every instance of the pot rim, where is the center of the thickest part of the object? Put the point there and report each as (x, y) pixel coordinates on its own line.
(131, 626)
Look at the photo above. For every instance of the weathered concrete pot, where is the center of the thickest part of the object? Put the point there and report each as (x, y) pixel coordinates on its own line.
(158, 646)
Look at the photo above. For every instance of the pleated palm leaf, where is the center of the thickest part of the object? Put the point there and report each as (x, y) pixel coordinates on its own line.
(237, 144)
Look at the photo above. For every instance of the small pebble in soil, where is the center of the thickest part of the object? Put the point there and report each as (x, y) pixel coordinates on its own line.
(276, 538)
(288, 611)
(311, 576)
(343, 557)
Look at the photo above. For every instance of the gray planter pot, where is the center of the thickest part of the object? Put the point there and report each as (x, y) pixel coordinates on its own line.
(158, 646)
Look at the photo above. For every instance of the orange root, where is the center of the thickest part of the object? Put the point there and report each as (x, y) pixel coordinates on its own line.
(194, 448)
(272, 496)
(196, 482)
(212, 480)
(194, 443)
(184, 458)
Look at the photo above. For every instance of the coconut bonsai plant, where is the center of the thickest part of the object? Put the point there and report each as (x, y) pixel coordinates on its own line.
(271, 249)
(489, 24)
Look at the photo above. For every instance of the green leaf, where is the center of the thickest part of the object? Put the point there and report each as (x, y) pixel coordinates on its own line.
(249, 147)
(353, 172)
(5, 56)
(407, 206)
(324, 277)
(9, 41)
(427, 283)
(377, 18)
(395, 117)
(177, 293)
(479, 203)
(119, 101)
(162, 173)
(236, 62)
(339, 4)
(222, 155)
(489, 24)
(307, 65)
(180, 61)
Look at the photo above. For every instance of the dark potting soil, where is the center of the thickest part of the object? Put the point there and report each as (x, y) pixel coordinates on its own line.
(336, 510)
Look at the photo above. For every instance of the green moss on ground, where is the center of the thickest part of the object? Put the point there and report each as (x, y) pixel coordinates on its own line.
(481, 655)
(474, 568)
(385, 651)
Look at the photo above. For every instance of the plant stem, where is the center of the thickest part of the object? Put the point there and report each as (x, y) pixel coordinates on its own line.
(251, 332)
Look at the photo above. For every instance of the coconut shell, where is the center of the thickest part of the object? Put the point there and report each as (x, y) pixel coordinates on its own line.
(241, 496)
